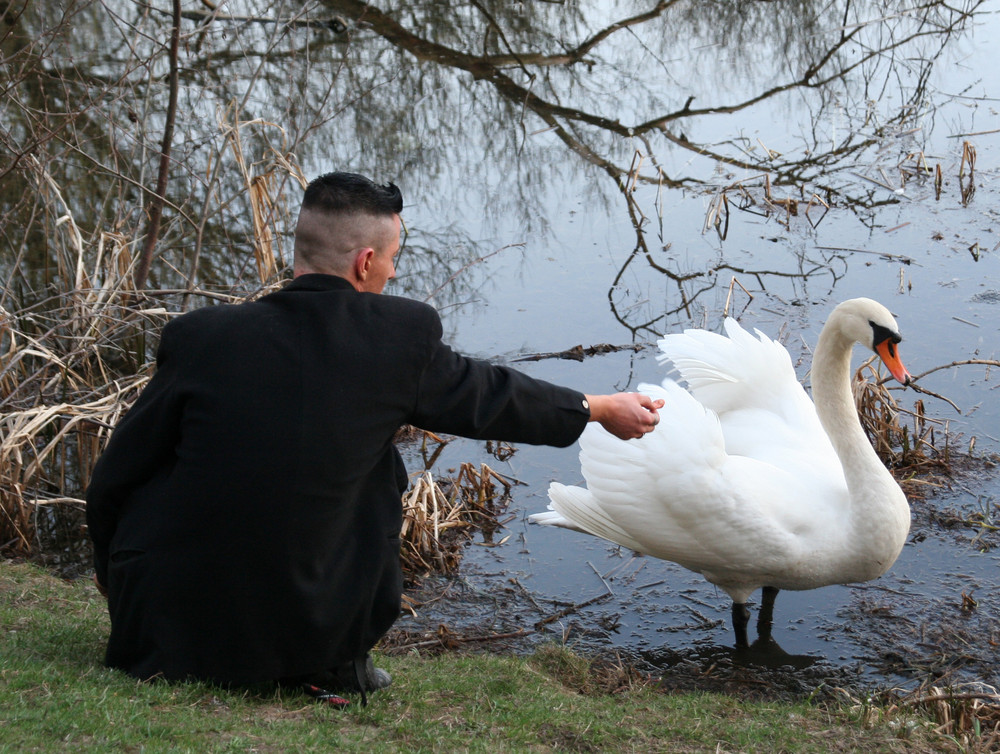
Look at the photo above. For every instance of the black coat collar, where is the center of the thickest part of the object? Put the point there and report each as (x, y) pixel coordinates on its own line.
(319, 282)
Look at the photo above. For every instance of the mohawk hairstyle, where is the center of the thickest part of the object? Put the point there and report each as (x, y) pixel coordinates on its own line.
(350, 192)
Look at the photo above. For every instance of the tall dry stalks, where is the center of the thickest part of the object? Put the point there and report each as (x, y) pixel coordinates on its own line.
(73, 360)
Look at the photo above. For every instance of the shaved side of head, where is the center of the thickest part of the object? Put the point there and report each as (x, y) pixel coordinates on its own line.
(342, 213)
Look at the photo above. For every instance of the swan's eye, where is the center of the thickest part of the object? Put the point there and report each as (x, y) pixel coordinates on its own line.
(881, 333)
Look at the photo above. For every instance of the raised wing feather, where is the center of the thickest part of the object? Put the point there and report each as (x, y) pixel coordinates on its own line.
(750, 383)
(737, 372)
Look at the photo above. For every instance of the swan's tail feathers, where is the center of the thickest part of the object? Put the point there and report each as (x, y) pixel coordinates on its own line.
(735, 370)
(551, 518)
(577, 509)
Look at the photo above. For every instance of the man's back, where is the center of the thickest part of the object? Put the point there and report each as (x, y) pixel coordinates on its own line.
(248, 508)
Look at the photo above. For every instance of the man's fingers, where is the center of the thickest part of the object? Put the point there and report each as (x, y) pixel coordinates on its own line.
(648, 403)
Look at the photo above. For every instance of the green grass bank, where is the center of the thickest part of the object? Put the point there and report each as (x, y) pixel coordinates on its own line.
(56, 696)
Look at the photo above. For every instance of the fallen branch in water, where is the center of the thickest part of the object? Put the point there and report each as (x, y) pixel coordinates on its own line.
(572, 609)
(578, 353)
(447, 639)
(917, 388)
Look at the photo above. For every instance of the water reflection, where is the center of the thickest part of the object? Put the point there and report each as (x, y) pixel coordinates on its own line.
(757, 102)
(621, 83)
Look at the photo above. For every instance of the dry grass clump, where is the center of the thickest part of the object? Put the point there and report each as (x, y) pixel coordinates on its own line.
(47, 449)
(971, 718)
(963, 718)
(591, 676)
(915, 447)
(439, 519)
(69, 369)
(968, 715)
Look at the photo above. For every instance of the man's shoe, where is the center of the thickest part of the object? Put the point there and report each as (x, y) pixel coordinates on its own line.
(376, 678)
(360, 675)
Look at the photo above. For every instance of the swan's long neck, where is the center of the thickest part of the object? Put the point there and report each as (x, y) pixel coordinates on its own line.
(879, 514)
(831, 383)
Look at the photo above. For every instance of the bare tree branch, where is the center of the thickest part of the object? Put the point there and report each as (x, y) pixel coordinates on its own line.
(156, 208)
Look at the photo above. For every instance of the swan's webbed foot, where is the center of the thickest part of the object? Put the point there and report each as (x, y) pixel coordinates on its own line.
(741, 617)
(765, 618)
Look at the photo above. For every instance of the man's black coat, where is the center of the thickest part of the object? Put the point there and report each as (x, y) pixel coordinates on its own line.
(246, 512)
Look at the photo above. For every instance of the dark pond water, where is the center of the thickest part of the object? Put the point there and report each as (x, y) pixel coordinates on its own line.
(581, 277)
(605, 172)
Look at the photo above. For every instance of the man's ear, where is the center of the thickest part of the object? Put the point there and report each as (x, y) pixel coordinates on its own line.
(363, 262)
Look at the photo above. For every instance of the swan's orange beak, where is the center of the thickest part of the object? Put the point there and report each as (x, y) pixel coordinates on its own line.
(887, 352)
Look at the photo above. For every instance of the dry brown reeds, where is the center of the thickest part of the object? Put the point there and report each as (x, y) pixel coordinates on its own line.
(68, 371)
(899, 444)
(963, 718)
(69, 365)
(919, 449)
(783, 209)
(440, 518)
(77, 344)
(48, 449)
(968, 715)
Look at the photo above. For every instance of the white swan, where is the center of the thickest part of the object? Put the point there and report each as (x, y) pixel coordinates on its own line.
(745, 480)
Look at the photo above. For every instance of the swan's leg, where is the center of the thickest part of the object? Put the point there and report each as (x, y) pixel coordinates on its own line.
(765, 618)
(741, 617)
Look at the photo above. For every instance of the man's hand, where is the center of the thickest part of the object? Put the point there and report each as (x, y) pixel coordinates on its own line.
(100, 587)
(625, 415)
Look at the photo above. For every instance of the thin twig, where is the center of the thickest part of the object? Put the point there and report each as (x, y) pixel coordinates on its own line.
(156, 206)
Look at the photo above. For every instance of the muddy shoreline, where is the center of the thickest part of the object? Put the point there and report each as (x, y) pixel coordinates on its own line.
(903, 640)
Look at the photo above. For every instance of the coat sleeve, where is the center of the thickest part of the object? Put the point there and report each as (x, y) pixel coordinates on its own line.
(473, 398)
(141, 445)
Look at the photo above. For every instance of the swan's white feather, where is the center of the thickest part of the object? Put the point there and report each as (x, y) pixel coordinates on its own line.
(739, 481)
